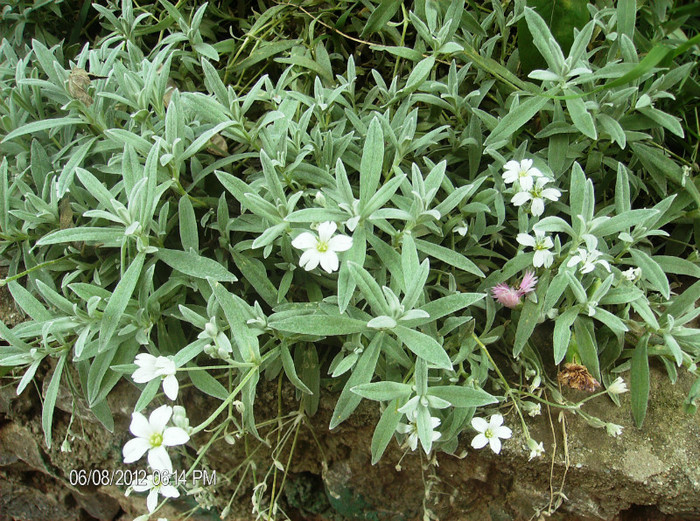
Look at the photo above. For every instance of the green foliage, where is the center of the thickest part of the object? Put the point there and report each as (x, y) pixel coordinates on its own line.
(161, 182)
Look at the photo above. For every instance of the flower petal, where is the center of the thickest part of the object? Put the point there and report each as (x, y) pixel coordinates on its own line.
(503, 432)
(171, 386)
(310, 259)
(175, 436)
(526, 164)
(495, 444)
(512, 165)
(537, 206)
(169, 491)
(329, 261)
(134, 449)
(496, 420)
(479, 441)
(340, 243)
(140, 426)
(143, 375)
(480, 424)
(526, 183)
(152, 500)
(526, 240)
(326, 230)
(158, 459)
(521, 198)
(160, 417)
(305, 241)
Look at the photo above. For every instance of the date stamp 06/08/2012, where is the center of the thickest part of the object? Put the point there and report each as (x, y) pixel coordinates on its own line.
(130, 478)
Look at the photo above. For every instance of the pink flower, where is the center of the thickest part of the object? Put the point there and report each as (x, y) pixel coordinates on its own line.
(506, 295)
(528, 283)
(511, 297)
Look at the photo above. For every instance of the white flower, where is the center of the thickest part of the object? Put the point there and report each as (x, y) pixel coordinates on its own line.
(588, 259)
(461, 229)
(155, 486)
(522, 171)
(632, 274)
(490, 432)
(536, 449)
(180, 418)
(541, 244)
(151, 367)
(152, 436)
(412, 429)
(613, 429)
(537, 194)
(322, 249)
(618, 386)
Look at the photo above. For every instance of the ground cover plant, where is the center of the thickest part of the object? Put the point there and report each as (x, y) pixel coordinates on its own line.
(366, 200)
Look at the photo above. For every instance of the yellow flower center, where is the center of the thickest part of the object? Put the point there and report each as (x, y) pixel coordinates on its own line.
(156, 439)
(322, 246)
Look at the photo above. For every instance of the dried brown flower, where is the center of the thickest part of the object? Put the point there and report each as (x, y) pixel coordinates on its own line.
(577, 377)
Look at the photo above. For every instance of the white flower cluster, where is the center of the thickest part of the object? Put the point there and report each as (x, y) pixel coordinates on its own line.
(153, 435)
(530, 185)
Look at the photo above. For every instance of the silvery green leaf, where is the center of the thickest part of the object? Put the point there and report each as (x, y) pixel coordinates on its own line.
(449, 256)
(290, 370)
(38, 126)
(460, 396)
(514, 121)
(321, 325)
(119, 300)
(363, 373)
(423, 346)
(582, 119)
(344, 365)
(383, 391)
(419, 74)
(206, 383)
(382, 322)
(237, 313)
(651, 271)
(369, 288)
(562, 333)
(194, 265)
(50, 399)
(384, 432)
(543, 75)
(544, 41)
(414, 314)
(372, 161)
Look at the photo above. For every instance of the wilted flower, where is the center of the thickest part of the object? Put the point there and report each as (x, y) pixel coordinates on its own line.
(536, 449)
(151, 367)
(152, 436)
(541, 244)
(412, 429)
(522, 171)
(322, 249)
(537, 194)
(461, 229)
(632, 274)
(490, 432)
(618, 386)
(613, 429)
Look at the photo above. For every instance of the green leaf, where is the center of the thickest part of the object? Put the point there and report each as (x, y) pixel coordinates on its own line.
(582, 119)
(321, 325)
(626, 17)
(50, 399)
(372, 161)
(515, 119)
(587, 345)
(419, 74)
(450, 304)
(526, 325)
(119, 300)
(149, 392)
(194, 265)
(424, 346)
(38, 126)
(363, 373)
(94, 234)
(235, 310)
(28, 302)
(380, 16)
(206, 383)
(449, 256)
(639, 381)
(254, 272)
(384, 432)
(652, 272)
(383, 391)
(189, 236)
(263, 52)
(370, 289)
(544, 41)
(460, 396)
(290, 370)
